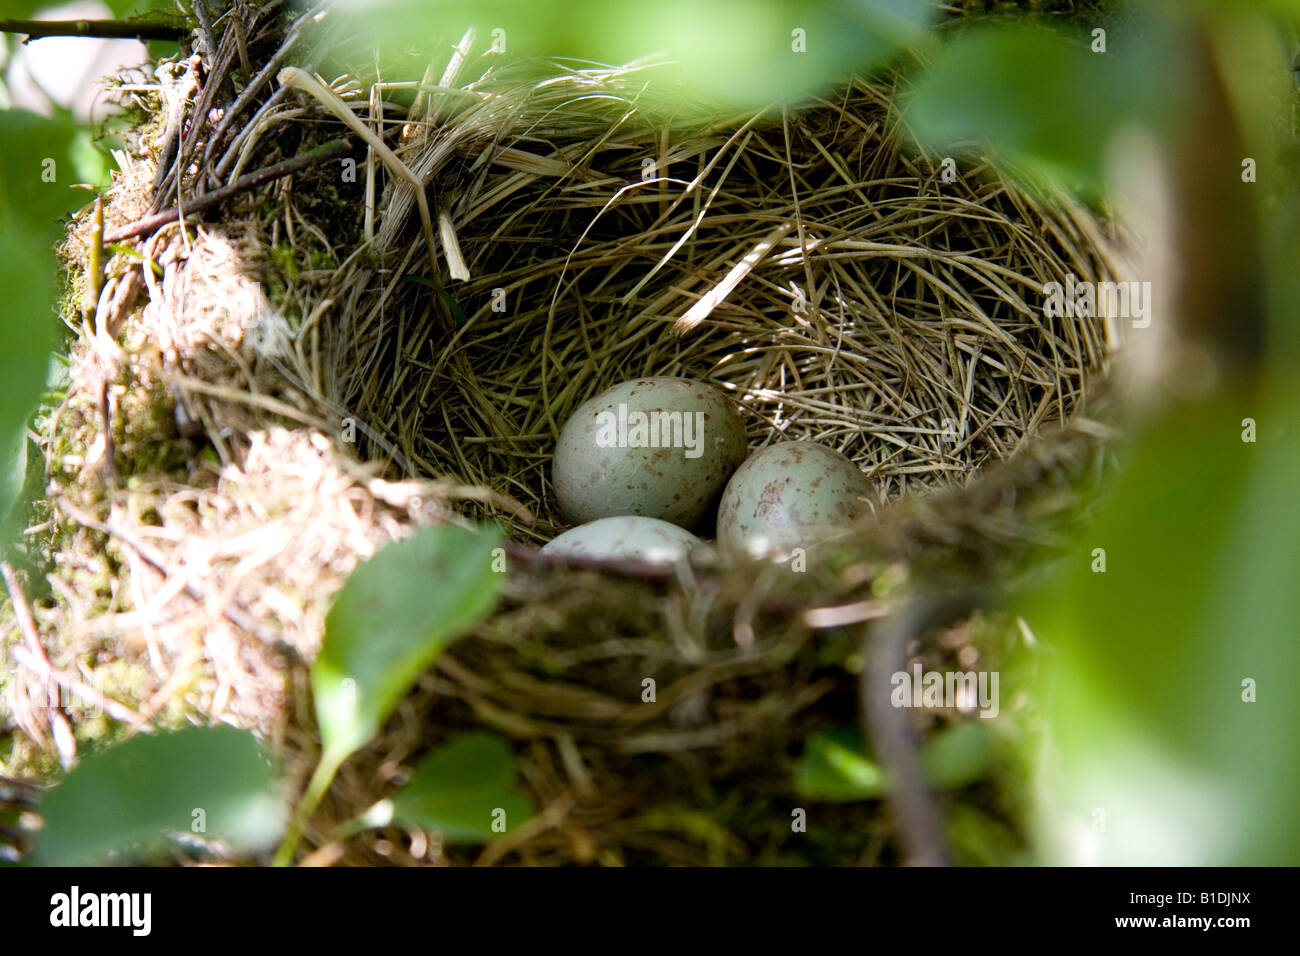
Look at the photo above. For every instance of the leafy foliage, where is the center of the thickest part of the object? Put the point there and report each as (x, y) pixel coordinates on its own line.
(459, 787)
(40, 158)
(395, 614)
(741, 52)
(1046, 103)
(835, 766)
(212, 781)
(1152, 714)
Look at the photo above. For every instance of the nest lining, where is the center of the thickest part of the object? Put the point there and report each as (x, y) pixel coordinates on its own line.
(896, 317)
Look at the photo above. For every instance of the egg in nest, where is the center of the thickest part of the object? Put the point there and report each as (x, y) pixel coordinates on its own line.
(790, 495)
(658, 447)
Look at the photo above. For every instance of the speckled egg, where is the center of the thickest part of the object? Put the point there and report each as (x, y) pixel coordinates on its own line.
(657, 447)
(627, 536)
(790, 495)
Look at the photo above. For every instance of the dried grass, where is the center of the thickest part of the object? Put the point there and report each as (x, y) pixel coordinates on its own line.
(833, 284)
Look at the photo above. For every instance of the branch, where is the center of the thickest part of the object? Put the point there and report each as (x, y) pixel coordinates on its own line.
(103, 29)
(232, 612)
(885, 650)
(331, 150)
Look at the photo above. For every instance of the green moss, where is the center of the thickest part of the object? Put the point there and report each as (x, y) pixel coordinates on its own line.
(285, 259)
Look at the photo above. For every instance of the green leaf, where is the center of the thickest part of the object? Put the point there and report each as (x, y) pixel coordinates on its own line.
(213, 781)
(1044, 103)
(833, 767)
(133, 8)
(21, 9)
(1153, 729)
(396, 612)
(43, 157)
(443, 294)
(26, 336)
(748, 53)
(461, 788)
(37, 168)
(958, 755)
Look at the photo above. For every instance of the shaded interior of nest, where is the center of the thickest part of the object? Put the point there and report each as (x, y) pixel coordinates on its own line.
(880, 309)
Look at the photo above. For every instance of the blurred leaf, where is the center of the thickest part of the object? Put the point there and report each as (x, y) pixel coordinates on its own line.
(459, 787)
(129, 797)
(26, 335)
(42, 158)
(975, 838)
(740, 51)
(21, 9)
(131, 8)
(24, 481)
(1158, 758)
(37, 167)
(1044, 103)
(958, 755)
(833, 767)
(396, 612)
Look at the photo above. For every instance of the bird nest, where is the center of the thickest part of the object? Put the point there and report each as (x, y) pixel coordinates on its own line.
(322, 357)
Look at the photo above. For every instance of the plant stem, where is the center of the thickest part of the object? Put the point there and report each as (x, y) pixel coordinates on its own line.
(320, 782)
(104, 29)
(95, 267)
(331, 150)
(916, 814)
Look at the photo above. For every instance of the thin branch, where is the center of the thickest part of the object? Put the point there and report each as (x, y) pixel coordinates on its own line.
(22, 793)
(22, 612)
(200, 8)
(254, 88)
(313, 157)
(101, 29)
(885, 650)
(232, 612)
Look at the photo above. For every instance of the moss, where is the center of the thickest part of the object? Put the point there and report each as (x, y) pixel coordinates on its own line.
(285, 258)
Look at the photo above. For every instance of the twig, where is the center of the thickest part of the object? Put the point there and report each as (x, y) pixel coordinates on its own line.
(241, 42)
(115, 709)
(200, 8)
(321, 154)
(263, 77)
(304, 82)
(216, 63)
(885, 650)
(232, 612)
(103, 29)
(22, 793)
(22, 612)
(33, 657)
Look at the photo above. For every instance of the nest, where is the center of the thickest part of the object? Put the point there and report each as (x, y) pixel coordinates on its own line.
(839, 289)
(296, 379)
